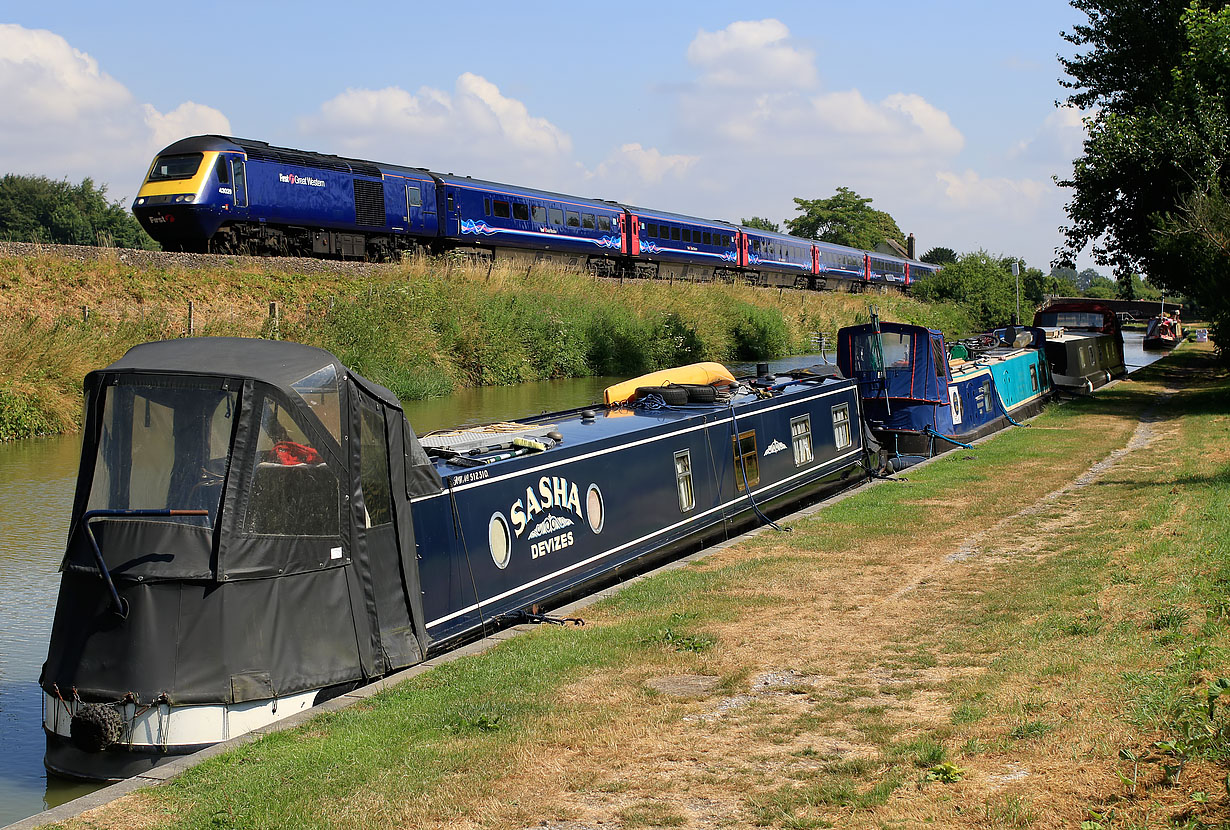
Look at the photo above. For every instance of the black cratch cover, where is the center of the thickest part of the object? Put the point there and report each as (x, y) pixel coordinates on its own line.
(300, 571)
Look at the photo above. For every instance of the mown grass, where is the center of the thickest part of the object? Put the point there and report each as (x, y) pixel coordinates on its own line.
(422, 328)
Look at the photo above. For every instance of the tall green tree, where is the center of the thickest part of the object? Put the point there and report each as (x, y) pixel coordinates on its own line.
(39, 209)
(978, 282)
(939, 256)
(1158, 74)
(760, 223)
(844, 219)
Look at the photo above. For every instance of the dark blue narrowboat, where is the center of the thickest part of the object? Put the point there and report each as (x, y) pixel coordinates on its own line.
(918, 400)
(257, 529)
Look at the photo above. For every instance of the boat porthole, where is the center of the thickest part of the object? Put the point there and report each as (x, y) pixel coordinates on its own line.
(500, 540)
(593, 508)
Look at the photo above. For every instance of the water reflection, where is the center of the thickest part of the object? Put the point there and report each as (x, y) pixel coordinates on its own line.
(36, 491)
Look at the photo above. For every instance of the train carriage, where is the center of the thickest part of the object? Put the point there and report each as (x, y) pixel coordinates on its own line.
(671, 245)
(777, 259)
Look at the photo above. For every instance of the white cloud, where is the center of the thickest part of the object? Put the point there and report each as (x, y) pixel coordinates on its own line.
(475, 129)
(65, 117)
(1056, 143)
(649, 166)
(969, 190)
(752, 54)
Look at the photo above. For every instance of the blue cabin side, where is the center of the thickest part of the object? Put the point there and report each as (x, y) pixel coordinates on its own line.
(913, 395)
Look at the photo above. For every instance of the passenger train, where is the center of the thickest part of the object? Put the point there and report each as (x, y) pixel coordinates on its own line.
(231, 195)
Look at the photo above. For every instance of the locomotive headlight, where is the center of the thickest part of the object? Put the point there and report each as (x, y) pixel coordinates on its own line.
(191, 197)
(141, 201)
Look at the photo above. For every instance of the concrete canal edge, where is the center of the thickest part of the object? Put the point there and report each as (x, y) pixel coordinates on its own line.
(168, 771)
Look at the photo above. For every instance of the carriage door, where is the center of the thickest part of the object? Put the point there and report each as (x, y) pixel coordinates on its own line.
(376, 534)
(415, 222)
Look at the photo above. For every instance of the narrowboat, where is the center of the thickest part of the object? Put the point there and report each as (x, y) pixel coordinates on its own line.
(919, 401)
(1084, 345)
(1163, 332)
(257, 529)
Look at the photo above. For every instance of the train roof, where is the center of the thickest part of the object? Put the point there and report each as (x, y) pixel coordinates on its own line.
(529, 192)
(654, 213)
(263, 151)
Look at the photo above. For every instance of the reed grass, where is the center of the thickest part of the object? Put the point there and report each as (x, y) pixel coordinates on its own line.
(422, 328)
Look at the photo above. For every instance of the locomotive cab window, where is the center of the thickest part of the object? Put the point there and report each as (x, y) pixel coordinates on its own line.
(502, 209)
(170, 168)
(747, 461)
(223, 170)
(521, 212)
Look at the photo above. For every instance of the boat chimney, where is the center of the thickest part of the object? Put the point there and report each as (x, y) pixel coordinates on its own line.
(909, 247)
(762, 369)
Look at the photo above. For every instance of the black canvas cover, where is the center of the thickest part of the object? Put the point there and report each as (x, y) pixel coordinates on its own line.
(300, 571)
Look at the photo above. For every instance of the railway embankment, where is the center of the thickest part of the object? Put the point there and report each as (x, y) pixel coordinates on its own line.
(1030, 633)
(421, 328)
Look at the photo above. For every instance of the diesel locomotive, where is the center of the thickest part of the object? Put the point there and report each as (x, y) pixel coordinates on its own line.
(215, 194)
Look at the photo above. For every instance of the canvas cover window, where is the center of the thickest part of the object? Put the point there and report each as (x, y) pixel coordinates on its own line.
(294, 492)
(163, 448)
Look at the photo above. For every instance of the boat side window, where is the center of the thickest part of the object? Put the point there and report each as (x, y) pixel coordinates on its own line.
(374, 466)
(841, 426)
(800, 438)
(163, 448)
(1033, 376)
(941, 356)
(747, 460)
(683, 480)
(293, 491)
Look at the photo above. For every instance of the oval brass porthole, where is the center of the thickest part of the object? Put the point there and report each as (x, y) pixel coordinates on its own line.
(500, 540)
(594, 509)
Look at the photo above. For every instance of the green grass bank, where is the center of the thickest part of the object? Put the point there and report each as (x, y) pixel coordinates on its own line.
(1031, 633)
(422, 328)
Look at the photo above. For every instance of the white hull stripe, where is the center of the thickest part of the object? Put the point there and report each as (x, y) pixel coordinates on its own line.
(628, 446)
(636, 541)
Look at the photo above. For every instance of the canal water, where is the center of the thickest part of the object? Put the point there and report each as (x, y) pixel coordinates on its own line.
(36, 491)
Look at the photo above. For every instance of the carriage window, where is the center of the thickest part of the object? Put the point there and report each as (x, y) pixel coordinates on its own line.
(502, 209)
(374, 466)
(574, 219)
(683, 481)
(521, 212)
(651, 230)
(604, 223)
(486, 206)
(587, 220)
(800, 439)
(293, 491)
(414, 196)
(708, 238)
(451, 202)
(675, 234)
(539, 213)
(841, 425)
(747, 462)
(557, 216)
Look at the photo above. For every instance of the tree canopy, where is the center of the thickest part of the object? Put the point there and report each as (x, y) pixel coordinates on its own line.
(1158, 74)
(38, 209)
(844, 219)
(939, 256)
(760, 223)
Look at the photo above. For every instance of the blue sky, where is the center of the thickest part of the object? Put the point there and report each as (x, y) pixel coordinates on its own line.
(944, 113)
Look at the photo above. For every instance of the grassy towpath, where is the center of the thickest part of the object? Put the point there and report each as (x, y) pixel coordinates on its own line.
(1026, 634)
